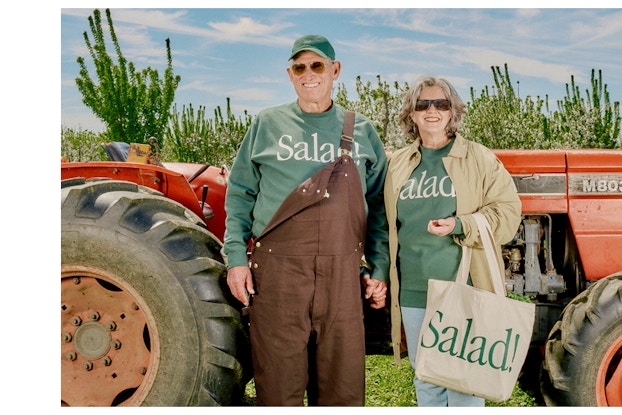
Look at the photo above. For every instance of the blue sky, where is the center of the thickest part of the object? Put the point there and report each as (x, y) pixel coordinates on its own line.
(241, 53)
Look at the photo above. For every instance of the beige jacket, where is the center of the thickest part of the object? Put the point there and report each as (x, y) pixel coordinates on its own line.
(482, 184)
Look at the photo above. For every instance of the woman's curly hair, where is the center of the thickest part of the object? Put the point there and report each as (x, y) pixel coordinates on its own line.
(458, 107)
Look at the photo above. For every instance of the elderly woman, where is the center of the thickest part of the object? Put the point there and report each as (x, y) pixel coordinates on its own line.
(432, 188)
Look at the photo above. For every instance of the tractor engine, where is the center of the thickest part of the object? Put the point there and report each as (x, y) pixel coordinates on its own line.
(529, 260)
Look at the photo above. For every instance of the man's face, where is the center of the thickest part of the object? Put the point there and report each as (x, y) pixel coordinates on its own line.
(313, 89)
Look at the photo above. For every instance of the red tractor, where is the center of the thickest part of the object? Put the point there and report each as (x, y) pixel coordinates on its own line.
(146, 314)
(147, 318)
(567, 257)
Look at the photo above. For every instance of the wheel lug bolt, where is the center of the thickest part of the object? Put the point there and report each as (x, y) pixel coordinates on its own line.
(106, 361)
(71, 356)
(67, 337)
(112, 326)
(87, 365)
(76, 280)
(94, 315)
(116, 344)
(76, 320)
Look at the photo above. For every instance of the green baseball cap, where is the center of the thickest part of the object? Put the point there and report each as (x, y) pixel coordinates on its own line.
(313, 43)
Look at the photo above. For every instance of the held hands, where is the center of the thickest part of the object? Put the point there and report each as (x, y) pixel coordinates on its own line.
(442, 227)
(240, 282)
(375, 291)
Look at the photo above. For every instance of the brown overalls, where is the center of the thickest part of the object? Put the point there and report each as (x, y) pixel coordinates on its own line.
(306, 319)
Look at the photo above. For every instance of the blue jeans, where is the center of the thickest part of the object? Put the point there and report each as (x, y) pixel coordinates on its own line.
(428, 394)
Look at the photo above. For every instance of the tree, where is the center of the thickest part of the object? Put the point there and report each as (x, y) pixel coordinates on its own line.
(592, 122)
(194, 138)
(80, 145)
(502, 119)
(133, 104)
(380, 105)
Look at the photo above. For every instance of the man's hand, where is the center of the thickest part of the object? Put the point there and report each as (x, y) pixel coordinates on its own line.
(375, 291)
(240, 282)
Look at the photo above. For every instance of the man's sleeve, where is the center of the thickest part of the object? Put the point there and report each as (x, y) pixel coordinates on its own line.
(377, 240)
(242, 189)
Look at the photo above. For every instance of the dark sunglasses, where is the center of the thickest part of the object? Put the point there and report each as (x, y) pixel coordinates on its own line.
(439, 104)
(316, 67)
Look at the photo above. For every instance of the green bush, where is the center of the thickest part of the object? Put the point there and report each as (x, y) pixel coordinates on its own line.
(498, 118)
(381, 104)
(502, 119)
(81, 145)
(194, 138)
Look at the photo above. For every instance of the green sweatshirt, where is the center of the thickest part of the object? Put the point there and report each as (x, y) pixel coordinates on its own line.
(427, 195)
(285, 146)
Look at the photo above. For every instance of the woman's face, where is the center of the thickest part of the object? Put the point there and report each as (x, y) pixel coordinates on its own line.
(432, 120)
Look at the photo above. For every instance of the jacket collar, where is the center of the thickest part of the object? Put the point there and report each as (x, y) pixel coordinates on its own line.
(459, 149)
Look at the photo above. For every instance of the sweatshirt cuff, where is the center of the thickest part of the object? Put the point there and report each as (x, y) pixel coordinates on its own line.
(458, 231)
(236, 259)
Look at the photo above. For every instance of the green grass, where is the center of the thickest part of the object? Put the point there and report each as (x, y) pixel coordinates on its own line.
(387, 384)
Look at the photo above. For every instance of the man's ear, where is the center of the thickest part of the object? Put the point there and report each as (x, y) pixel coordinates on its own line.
(336, 69)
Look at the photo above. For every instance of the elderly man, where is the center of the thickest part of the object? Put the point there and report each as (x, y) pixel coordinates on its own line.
(306, 191)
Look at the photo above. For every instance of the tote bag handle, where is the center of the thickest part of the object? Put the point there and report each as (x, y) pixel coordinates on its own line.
(487, 239)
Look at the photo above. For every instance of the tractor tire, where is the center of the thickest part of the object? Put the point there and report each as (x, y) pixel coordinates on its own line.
(146, 315)
(583, 355)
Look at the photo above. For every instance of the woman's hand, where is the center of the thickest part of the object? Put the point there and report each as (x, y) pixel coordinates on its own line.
(442, 227)
(375, 291)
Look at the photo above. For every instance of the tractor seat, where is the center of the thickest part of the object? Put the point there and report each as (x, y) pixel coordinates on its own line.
(116, 150)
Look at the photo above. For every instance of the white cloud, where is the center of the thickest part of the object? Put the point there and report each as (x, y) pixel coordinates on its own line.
(485, 59)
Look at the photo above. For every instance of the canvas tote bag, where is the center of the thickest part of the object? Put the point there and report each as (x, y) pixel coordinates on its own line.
(474, 341)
